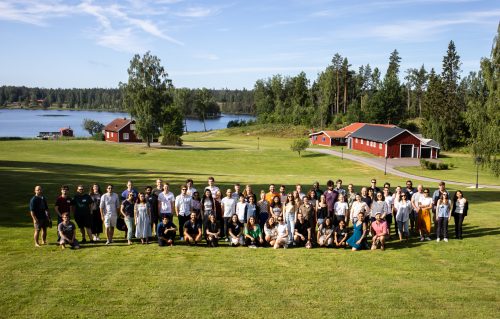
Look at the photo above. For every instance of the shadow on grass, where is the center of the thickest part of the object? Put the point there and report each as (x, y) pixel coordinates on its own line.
(312, 155)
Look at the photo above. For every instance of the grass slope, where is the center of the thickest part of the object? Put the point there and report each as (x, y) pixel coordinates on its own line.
(429, 280)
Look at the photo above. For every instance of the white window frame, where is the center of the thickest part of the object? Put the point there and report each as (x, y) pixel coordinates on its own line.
(126, 136)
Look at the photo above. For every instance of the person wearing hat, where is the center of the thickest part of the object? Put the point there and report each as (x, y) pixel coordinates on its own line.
(379, 231)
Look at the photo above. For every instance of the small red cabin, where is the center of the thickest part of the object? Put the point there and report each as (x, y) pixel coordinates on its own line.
(121, 130)
(66, 131)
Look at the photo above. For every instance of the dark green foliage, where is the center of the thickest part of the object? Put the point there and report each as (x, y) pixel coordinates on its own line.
(147, 95)
(425, 164)
(93, 127)
(483, 114)
(239, 123)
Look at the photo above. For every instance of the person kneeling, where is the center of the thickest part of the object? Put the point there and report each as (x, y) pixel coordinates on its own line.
(66, 230)
(282, 238)
(302, 236)
(340, 234)
(192, 230)
(235, 231)
(253, 234)
(212, 231)
(166, 232)
(380, 232)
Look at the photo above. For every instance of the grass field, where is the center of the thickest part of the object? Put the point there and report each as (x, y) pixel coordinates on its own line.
(463, 170)
(459, 279)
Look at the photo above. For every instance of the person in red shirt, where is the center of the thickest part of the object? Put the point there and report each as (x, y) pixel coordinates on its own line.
(380, 232)
(63, 204)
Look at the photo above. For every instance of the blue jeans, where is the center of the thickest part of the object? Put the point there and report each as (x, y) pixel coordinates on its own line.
(290, 222)
(129, 221)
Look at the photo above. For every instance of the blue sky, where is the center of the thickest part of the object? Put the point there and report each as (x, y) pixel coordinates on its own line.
(217, 44)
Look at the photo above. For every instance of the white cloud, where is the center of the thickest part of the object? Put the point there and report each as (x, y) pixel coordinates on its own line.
(208, 56)
(196, 12)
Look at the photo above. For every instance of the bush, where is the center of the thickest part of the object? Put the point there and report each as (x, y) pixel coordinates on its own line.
(171, 139)
(425, 164)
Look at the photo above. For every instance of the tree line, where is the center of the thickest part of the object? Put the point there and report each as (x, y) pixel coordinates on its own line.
(222, 100)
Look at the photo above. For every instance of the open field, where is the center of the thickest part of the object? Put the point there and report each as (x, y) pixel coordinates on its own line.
(459, 279)
(463, 170)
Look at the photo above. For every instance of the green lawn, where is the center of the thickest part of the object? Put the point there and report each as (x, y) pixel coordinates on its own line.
(459, 279)
(463, 170)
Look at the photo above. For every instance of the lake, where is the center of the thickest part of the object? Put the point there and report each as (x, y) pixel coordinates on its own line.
(28, 123)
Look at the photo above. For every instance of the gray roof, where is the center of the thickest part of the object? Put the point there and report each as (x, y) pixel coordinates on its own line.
(377, 133)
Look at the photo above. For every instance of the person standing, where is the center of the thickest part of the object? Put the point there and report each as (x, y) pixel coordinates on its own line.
(410, 190)
(271, 194)
(263, 206)
(82, 203)
(339, 188)
(190, 187)
(415, 198)
(159, 187)
(436, 196)
(67, 232)
(228, 205)
(166, 200)
(316, 188)
(127, 211)
(290, 216)
(443, 212)
(211, 185)
(183, 209)
(459, 211)
(142, 219)
(96, 227)
(341, 210)
(331, 197)
(130, 189)
(152, 201)
(374, 187)
(207, 205)
(109, 212)
(403, 208)
(424, 215)
(39, 211)
(62, 205)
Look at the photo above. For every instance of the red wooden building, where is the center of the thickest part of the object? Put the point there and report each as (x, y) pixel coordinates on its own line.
(392, 142)
(329, 138)
(121, 130)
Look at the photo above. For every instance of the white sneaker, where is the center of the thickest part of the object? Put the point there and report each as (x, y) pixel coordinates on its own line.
(438, 240)
(428, 238)
(97, 238)
(252, 246)
(108, 242)
(421, 238)
(445, 240)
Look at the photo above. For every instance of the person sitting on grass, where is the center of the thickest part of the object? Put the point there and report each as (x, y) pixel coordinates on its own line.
(67, 232)
(192, 230)
(253, 233)
(235, 231)
(340, 235)
(282, 237)
(212, 231)
(302, 236)
(356, 241)
(166, 232)
(270, 231)
(40, 214)
(380, 232)
(325, 233)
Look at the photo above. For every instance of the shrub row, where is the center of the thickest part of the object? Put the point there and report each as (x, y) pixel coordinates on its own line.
(433, 165)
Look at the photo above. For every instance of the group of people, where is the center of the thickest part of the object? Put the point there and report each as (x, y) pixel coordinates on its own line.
(276, 218)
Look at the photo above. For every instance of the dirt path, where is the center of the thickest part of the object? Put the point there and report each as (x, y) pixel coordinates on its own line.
(379, 163)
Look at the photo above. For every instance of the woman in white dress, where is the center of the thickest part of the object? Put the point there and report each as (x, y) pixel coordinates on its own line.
(142, 218)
